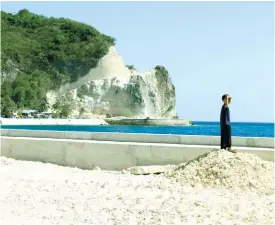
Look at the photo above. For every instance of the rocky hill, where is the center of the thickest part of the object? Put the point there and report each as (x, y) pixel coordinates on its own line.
(70, 68)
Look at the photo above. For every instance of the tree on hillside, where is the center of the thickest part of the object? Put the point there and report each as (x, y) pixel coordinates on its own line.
(7, 106)
(161, 70)
(44, 53)
(19, 113)
(131, 67)
(81, 111)
(64, 105)
(27, 91)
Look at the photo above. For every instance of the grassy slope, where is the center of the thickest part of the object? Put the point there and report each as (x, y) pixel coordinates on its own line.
(47, 52)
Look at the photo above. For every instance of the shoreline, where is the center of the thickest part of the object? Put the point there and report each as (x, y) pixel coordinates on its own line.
(11, 121)
(97, 121)
(148, 122)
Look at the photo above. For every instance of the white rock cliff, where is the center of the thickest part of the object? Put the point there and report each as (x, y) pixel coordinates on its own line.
(111, 88)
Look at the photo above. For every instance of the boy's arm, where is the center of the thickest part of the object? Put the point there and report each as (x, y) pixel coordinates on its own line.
(223, 112)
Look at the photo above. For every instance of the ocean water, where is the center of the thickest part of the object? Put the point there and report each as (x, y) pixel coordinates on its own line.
(199, 128)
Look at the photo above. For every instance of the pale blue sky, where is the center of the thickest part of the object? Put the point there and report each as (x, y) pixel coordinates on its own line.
(209, 48)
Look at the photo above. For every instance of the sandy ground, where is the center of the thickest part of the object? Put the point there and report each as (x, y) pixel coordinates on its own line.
(37, 193)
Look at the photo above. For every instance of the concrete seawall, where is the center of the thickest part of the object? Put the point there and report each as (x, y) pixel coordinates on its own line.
(141, 138)
(75, 149)
(106, 154)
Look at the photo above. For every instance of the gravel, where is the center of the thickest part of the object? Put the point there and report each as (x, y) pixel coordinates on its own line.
(37, 193)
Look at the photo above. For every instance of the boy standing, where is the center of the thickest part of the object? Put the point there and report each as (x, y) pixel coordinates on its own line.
(225, 124)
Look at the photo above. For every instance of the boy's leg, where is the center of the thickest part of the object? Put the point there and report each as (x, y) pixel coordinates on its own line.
(223, 143)
(229, 140)
(226, 136)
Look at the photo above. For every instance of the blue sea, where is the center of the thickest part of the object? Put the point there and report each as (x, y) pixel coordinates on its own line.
(199, 128)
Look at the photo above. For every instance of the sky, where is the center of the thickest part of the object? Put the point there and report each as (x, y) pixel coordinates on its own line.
(209, 49)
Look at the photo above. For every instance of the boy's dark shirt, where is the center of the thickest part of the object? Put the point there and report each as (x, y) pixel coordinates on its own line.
(225, 116)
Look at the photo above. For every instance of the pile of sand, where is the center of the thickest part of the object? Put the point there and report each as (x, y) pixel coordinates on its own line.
(239, 172)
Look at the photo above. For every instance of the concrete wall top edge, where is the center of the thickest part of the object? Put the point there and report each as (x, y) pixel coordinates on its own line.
(142, 138)
(67, 141)
(130, 134)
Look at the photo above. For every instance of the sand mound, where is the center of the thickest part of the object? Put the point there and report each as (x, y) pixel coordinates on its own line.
(240, 171)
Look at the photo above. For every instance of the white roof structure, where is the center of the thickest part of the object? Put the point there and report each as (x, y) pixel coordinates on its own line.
(30, 111)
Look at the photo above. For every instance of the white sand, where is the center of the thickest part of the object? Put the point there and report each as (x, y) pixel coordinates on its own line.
(238, 172)
(36, 193)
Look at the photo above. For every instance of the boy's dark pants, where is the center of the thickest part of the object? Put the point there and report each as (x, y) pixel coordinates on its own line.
(225, 136)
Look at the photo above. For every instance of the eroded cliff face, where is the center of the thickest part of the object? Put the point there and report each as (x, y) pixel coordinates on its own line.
(112, 89)
(139, 95)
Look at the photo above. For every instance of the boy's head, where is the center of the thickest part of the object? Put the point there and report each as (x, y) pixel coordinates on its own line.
(226, 99)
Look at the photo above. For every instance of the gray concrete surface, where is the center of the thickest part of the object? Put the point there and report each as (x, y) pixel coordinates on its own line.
(143, 138)
(109, 155)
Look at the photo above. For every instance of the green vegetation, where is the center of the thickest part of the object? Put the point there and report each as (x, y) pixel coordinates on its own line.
(26, 91)
(40, 54)
(161, 71)
(131, 67)
(64, 105)
(83, 90)
(134, 91)
(162, 75)
(81, 112)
